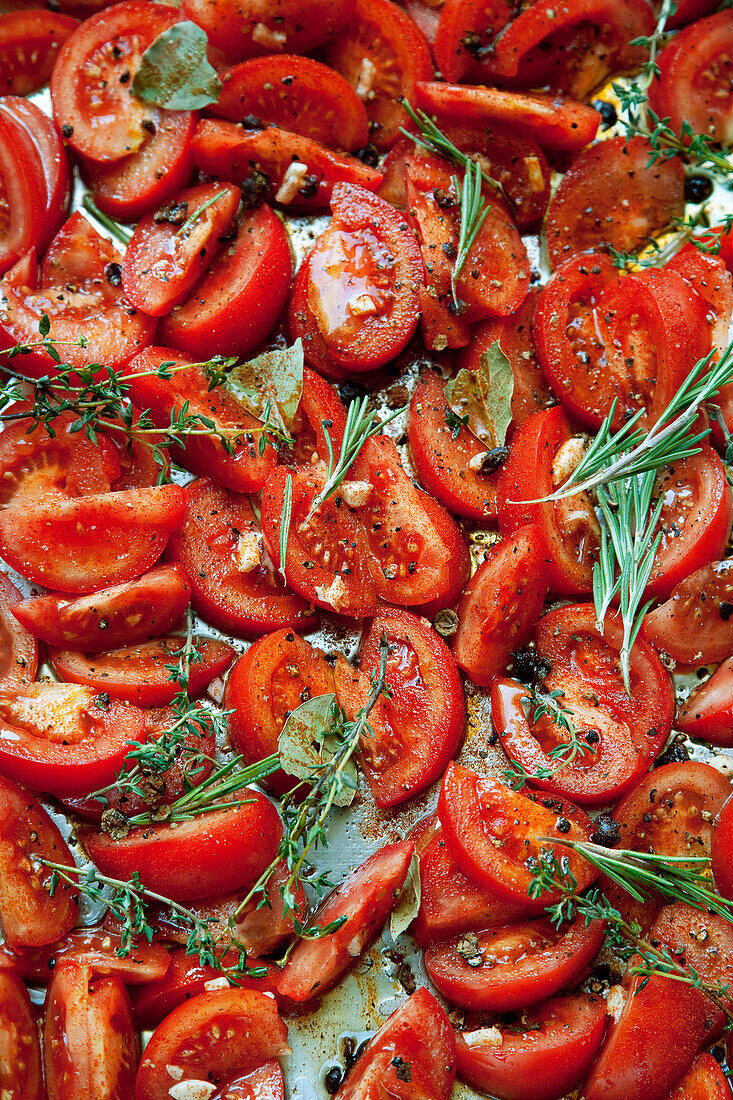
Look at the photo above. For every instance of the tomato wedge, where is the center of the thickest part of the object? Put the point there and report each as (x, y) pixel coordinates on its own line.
(708, 713)
(704, 1080)
(18, 647)
(29, 46)
(692, 626)
(20, 1069)
(243, 28)
(465, 30)
(23, 193)
(97, 948)
(722, 851)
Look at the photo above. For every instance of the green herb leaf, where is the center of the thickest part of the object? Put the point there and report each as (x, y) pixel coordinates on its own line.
(408, 903)
(271, 385)
(306, 744)
(485, 396)
(175, 72)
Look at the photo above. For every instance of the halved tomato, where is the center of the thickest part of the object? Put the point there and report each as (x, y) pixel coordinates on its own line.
(20, 1068)
(29, 46)
(18, 647)
(23, 192)
(693, 626)
(722, 851)
(466, 33)
(704, 1080)
(244, 28)
(708, 713)
(96, 947)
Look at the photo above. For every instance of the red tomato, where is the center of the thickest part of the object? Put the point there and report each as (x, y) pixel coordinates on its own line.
(695, 521)
(477, 811)
(693, 625)
(403, 755)
(694, 82)
(382, 54)
(264, 1083)
(138, 184)
(450, 903)
(708, 713)
(623, 732)
(611, 197)
(90, 542)
(217, 547)
(500, 606)
(237, 303)
(91, 1046)
(366, 899)
(513, 966)
(444, 450)
(127, 613)
(704, 940)
(319, 403)
(65, 739)
(216, 851)
(708, 276)
(688, 10)
(704, 1080)
(184, 978)
(94, 108)
(95, 308)
(187, 391)
(722, 851)
(29, 46)
(168, 254)
(630, 338)
(22, 192)
(297, 94)
(246, 29)
(95, 948)
(20, 1069)
(31, 916)
(425, 18)
(411, 1057)
(569, 528)
(274, 676)
(359, 302)
(465, 29)
(18, 648)
(546, 1061)
(248, 1022)
(138, 673)
(286, 167)
(557, 124)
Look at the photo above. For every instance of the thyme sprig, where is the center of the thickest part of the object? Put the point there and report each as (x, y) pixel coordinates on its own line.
(473, 216)
(185, 229)
(549, 704)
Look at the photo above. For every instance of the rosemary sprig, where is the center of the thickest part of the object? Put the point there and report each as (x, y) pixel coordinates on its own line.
(473, 216)
(548, 704)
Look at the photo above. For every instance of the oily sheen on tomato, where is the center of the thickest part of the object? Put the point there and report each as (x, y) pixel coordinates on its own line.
(694, 625)
(20, 1069)
(707, 713)
(18, 646)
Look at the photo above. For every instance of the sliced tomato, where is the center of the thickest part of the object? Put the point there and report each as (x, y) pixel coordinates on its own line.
(65, 739)
(695, 521)
(138, 673)
(242, 28)
(188, 1038)
(297, 94)
(365, 899)
(321, 409)
(689, 10)
(513, 966)
(694, 79)
(184, 978)
(127, 613)
(612, 197)
(289, 168)
(275, 675)
(216, 851)
(237, 303)
(554, 1053)
(97, 948)
(569, 528)
(709, 277)
(722, 851)
(382, 54)
(90, 1042)
(500, 606)
(708, 713)
(171, 249)
(94, 308)
(18, 647)
(411, 1057)
(218, 550)
(31, 915)
(264, 1082)
(29, 46)
(91, 85)
(704, 1080)
(704, 940)
(558, 124)
(465, 31)
(169, 394)
(476, 812)
(89, 542)
(692, 626)
(22, 192)
(425, 18)
(401, 756)
(20, 1070)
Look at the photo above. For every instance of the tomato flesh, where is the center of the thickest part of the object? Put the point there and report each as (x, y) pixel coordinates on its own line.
(18, 647)
(20, 1069)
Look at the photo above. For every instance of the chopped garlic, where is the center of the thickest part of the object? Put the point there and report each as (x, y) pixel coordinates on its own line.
(477, 461)
(566, 460)
(367, 73)
(216, 984)
(615, 1001)
(192, 1090)
(292, 182)
(265, 36)
(534, 171)
(356, 493)
(362, 305)
(248, 551)
(484, 1037)
(176, 1072)
(335, 593)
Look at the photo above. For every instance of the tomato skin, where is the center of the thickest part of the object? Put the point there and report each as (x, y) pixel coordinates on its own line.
(31, 917)
(244, 471)
(64, 739)
(269, 681)
(708, 713)
(152, 604)
(704, 1080)
(692, 625)
(474, 810)
(705, 941)
(241, 30)
(217, 851)
(484, 19)
(542, 1063)
(20, 1069)
(95, 948)
(419, 1033)
(23, 191)
(138, 673)
(91, 1047)
(24, 34)
(264, 1083)
(297, 94)
(722, 851)
(236, 305)
(366, 898)
(206, 546)
(693, 70)
(519, 964)
(403, 757)
(500, 606)
(623, 201)
(184, 1039)
(18, 647)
